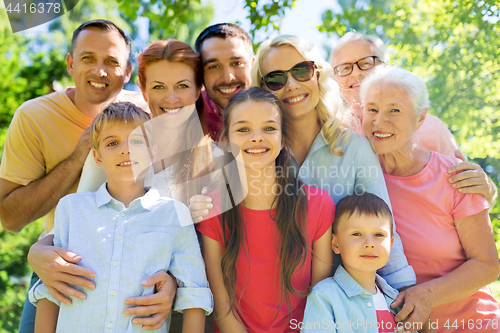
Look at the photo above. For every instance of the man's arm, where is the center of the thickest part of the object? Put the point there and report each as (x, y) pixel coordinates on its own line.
(21, 205)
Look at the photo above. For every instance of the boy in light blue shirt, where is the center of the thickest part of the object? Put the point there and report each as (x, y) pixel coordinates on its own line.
(356, 299)
(125, 233)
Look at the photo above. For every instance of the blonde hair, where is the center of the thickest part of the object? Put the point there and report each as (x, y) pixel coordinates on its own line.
(120, 112)
(333, 118)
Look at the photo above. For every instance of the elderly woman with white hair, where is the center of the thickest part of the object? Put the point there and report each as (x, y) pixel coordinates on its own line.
(353, 57)
(327, 155)
(447, 235)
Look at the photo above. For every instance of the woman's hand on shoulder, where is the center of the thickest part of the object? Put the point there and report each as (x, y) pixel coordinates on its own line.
(471, 178)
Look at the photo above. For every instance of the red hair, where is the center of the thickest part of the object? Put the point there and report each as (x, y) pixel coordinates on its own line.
(171, 50)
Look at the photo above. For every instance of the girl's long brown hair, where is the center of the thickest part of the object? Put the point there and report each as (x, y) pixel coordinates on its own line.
(290, 216)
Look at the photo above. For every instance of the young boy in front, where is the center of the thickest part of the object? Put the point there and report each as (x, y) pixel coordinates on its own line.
(356, 299)
(124, 233)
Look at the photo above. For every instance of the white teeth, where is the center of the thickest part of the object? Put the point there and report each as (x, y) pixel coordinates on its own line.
(127, 163)
(255, 151)
(296, 99)
(381, 135)
(228, 91)
(97, 85)
(170, 110)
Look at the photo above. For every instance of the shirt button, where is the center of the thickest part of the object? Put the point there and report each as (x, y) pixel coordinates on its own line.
(118, 237)
(112, 293)
(368, 304)
(122, 214)
(110, 325)
(115, 263)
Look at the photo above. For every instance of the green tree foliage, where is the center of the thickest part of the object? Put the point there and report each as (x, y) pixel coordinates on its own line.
(265, 15)
(196, 19)
(453, 45)
(170, 18)
(13, 272)
(11, 85)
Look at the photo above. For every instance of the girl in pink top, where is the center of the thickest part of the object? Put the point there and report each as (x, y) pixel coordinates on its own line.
(263, 255)
(446, 234)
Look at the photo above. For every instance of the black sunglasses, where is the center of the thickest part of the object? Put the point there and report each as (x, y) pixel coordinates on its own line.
(302, 72)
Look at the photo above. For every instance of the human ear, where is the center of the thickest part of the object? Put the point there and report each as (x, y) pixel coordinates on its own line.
(198, 92)
(128, 73)
(335, 244)
(69, 64)
(97, 157)
(421, 119)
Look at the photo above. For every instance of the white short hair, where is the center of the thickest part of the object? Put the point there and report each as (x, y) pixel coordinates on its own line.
(410, 83)
(351, 36)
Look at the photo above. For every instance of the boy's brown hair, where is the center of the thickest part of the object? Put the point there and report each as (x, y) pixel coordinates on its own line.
(362, 204)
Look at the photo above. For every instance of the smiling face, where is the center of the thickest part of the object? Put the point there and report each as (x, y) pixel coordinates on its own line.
(256, 128)
(389, 118)
(226, 68)
(349, 85)
(169, 88)
(363, 241)
(99, 65)
(298, 98)
(122, 151)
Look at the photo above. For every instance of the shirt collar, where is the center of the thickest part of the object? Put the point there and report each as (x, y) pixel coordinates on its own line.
(102, 196)
(318, 142)
(147, 201)
(352, 288)
(209, 103)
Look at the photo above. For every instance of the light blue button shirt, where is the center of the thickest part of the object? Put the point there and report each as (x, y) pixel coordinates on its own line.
(355, 172)
(340, 304)
(123, 246)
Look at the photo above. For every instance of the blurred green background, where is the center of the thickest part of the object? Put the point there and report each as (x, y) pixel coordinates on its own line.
(453, 45)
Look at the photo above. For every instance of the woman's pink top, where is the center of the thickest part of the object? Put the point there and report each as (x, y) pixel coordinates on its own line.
(425, 207)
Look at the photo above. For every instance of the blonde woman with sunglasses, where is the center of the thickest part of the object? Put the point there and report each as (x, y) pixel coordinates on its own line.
(326, 153)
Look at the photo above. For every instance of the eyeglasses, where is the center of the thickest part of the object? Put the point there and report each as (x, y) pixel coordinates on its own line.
(363, 64)
(302, 72)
